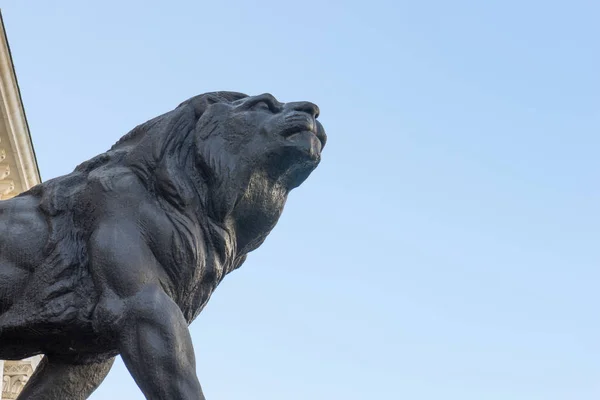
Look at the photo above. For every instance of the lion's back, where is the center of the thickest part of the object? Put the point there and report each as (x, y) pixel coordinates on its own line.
(24, 232)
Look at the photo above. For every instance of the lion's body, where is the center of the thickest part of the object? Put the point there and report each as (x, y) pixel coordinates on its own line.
(119, 256)
(59, 289)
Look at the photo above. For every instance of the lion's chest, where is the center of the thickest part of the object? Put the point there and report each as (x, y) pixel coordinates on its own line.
(194, 257)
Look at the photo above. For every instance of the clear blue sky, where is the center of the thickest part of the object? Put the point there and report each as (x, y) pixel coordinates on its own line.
(448, 246)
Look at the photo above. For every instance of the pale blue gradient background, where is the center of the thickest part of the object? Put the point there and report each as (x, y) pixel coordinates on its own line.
(448, 246)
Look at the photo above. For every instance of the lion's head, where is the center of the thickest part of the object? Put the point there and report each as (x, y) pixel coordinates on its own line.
(253, 151)
(283, 140)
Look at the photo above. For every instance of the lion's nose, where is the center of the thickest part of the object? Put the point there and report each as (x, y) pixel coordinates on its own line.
(305, 106)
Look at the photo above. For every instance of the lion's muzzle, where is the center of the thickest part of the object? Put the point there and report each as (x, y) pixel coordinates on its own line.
(301, 117)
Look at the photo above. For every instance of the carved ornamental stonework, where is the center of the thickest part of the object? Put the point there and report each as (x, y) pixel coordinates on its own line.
(18, 172)
(18, 167)
(15, 376)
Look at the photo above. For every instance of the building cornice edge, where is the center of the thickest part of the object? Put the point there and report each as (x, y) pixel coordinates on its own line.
(17, 125)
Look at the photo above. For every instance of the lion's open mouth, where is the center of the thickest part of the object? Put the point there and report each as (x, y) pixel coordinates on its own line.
(297, 133)
(292, 134)
(303, 135)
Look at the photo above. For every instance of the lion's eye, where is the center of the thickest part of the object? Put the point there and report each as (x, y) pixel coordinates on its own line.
(262, 105)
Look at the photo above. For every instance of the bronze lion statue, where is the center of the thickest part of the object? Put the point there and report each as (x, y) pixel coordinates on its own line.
(122, 254)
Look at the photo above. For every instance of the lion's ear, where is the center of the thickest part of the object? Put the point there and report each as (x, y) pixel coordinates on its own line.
(201, 102)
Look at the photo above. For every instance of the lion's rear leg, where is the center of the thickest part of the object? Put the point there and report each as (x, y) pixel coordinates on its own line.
(55, 381)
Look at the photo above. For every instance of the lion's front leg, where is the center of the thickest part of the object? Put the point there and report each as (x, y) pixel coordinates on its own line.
(156, 347)
(148, 327)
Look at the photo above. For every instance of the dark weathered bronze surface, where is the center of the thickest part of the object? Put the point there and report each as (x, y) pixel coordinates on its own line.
(119, 256)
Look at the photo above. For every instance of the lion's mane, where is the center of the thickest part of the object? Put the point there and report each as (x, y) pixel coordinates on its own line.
(162, 153)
